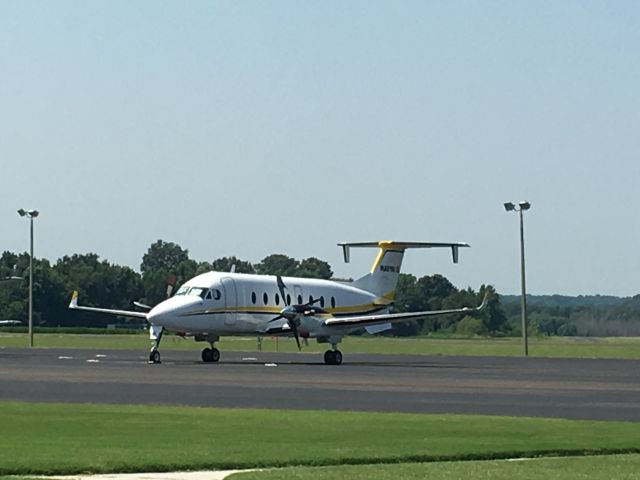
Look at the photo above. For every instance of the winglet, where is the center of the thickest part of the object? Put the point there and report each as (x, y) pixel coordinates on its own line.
(485, 302)
(74, 300)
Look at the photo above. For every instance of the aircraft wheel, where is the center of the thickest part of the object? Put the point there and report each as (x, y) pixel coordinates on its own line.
(328, 357)
(210, 355)
(207, 355)
(215, 354)
(154, 356)
(337, 357)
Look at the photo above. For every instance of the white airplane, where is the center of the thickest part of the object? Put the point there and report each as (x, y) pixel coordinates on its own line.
(215, 304)
(9, 323)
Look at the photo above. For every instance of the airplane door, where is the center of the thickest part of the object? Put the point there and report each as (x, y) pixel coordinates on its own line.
(230, 300)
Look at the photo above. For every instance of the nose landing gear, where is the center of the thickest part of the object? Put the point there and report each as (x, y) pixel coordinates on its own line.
(154, 356)
(155, 333)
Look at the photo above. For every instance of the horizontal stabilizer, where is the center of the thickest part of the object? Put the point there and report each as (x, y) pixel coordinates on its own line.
(383, 276)
(401, 246)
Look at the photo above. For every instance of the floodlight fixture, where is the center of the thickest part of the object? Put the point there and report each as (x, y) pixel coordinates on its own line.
(509, 206)
(28, 213)
(524, 205)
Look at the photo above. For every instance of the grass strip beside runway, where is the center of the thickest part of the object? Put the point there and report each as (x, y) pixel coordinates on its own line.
(572, 468)
(42, 438)
(568, 347)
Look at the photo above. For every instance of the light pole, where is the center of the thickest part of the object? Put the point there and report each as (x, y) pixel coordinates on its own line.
(521, 207)
(31, 214)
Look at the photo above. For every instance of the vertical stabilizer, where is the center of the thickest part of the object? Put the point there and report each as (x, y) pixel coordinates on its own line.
(383, 277)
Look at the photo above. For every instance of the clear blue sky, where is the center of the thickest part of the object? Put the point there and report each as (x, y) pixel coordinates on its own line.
(250, 128)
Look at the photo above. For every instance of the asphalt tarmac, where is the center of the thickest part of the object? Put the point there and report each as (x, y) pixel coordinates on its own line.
(535, 387)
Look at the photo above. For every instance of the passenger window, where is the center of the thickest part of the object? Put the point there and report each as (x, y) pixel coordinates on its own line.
(322, 301)
(299, 299)
(265, 298)
(310, 299)
(277, 299)
(288, 299)
(253, 297)
(333, 302)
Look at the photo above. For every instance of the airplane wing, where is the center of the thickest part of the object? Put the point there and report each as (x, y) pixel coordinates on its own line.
(73, 305)
(367, 320)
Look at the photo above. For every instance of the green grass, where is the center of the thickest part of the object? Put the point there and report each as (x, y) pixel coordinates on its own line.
(618, 467)
(64, 439)
(622, 347)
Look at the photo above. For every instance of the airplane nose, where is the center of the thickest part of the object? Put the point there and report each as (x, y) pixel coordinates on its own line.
(165, 313)
(157, 314)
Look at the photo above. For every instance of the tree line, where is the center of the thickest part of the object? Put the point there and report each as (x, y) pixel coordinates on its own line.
(584, 315)
(103, 284)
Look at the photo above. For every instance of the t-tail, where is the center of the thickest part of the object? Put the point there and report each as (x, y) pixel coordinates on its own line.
(383, 277)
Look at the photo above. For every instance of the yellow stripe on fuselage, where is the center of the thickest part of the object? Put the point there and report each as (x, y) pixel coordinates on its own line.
(264, 310)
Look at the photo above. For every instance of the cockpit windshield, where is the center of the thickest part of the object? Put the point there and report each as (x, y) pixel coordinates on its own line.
(200, 292)
(182, 290)
(196, 291)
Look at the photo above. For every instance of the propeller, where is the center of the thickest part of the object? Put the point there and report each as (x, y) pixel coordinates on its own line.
(171, 283)
(291, 313)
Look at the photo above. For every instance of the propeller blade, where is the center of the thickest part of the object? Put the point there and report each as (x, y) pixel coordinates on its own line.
(276, 318)
(312, 301)
(171, 282)
(281, 287)
(295, 333)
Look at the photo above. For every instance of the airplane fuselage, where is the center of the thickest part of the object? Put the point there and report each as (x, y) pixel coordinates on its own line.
(239, 304)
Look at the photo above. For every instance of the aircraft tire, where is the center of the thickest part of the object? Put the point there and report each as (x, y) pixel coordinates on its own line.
(337, 357)
(210, 355)
(333, 357)
(154, 356)
(328, 357)
(207, 355)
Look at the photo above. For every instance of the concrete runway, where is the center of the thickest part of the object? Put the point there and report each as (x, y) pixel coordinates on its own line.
(566, 388)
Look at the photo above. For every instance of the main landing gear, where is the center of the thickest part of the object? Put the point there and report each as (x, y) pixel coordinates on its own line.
(333, 357)
(210, 355)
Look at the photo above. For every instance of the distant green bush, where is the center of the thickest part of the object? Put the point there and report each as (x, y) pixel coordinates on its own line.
(470, 326)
